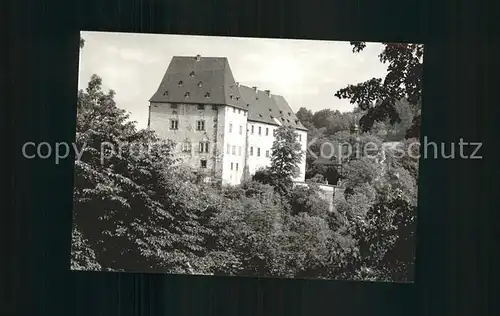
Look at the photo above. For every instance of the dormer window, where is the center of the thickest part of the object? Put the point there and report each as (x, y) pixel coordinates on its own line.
(165, 93)
(248, 104)
(191, 74)
(272, 117)
(230, 96)
(237, 98)
(200, 84)
(186, 95)
(260, 115)
(283, 119)
(180, 83)
(289, 114)
(207, 95)
(281, 112)
(270, 110)
(296, 121)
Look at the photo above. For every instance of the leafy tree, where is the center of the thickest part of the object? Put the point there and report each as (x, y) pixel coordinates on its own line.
(263, 175)
(406, 113)
(307, 199)
(137, 208)
(152, 213)
(248, 231)
(380, 206)
(83, 256)
(286, 154)
(322, 118)
(115, 197)
(305, 116)
(403, 81)
(387, 244)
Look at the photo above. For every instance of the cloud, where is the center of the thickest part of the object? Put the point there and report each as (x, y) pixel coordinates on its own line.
(130, 54)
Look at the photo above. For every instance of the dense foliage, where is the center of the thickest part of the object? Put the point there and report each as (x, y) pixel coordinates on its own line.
(403, 81)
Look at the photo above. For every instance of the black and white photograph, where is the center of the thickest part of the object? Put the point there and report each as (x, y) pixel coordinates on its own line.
(249, 157)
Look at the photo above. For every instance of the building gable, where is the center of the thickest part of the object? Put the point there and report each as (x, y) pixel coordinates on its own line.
(206, 80)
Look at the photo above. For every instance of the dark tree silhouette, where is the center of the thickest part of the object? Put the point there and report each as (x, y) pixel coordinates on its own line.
(403, 80)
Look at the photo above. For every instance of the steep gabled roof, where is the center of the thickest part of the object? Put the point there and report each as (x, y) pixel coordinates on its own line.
(260, 106)
(206, 80)
(209, 80)
(286, 114)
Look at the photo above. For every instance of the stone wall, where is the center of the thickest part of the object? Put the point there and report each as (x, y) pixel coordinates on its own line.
(187, 115)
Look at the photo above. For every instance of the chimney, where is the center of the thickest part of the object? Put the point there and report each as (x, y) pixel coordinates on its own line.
(268, 92)
(255, 89)
(237, 84)
(198, 57)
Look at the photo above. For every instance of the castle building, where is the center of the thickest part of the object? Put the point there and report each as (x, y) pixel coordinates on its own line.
(217, 124)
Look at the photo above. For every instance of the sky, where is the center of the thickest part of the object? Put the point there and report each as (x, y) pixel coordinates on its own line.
(306, 72)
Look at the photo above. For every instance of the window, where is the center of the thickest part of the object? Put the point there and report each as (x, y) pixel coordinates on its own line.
(234, 150)
(207, 95)
(173, 106)
(231, 166)
(260, 130)
(236, 166)
(251, 129)
(200, 125)
(174, 124)
(200, 84)
(230, 128)
(258, 152)
(203, 147)
(267, 153)
(300, 137)
(214, 107)
(241, 130)
(239, 151)
(201, 107)
(267, 131)
(228, 149)
(239, 111)
(180, 83)
(251, 151)
(187, 95)
(234, 110)
(186, 146)
(203, 163)
(244, 113)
